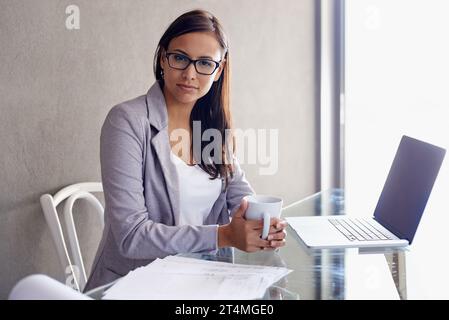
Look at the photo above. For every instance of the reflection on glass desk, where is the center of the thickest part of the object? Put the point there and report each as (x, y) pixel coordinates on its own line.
(332, 273)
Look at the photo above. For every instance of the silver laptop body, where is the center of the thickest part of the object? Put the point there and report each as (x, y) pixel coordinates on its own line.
(398, 211)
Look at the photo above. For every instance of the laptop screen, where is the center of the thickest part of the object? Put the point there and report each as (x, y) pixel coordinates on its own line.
(408, 186)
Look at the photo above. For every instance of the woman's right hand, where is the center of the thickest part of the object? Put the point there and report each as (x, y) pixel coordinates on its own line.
(241, 233)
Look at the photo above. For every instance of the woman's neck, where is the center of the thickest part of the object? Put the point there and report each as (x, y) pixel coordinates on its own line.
(178, 113)
(179, 118)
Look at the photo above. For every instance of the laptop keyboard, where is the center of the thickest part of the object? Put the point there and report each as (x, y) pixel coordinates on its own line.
(358, 229)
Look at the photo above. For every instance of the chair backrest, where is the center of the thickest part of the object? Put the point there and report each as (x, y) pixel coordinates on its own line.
(49, 204)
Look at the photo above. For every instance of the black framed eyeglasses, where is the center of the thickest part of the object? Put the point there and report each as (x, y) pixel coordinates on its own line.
(180, 61)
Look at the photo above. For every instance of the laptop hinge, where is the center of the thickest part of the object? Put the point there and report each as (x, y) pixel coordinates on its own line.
(391, 229)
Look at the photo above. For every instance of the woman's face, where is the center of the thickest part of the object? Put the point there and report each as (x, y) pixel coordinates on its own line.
(194, 45)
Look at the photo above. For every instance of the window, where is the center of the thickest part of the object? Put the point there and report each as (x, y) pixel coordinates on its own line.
(397, 81)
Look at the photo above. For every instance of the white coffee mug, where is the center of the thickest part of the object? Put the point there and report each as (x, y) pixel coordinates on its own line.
(263, 207)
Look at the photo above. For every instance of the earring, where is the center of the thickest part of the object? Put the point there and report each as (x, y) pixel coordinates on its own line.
(162, 74)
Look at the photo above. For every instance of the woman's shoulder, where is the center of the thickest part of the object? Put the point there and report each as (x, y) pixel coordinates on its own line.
(133, 109)
(147, 107)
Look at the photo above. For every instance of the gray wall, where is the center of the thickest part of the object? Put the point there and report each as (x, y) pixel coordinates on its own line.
(56, 87)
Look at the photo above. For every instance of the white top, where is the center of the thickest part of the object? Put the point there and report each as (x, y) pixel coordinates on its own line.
(197, 193)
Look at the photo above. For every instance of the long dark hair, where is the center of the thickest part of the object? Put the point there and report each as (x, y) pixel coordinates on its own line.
(213, 109)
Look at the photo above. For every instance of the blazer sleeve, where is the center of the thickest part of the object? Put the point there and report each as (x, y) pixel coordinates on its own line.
(137, 237)
(238, 188)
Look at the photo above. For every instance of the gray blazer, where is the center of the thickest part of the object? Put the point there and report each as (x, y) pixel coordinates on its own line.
(142, 195)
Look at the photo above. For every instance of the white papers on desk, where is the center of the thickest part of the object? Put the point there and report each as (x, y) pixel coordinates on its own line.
(42, 287)
(181, 278)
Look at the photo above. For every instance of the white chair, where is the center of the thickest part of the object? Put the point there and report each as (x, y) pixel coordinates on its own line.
(49, 203)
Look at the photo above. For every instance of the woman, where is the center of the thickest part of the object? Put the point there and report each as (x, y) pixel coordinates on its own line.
(162, 201)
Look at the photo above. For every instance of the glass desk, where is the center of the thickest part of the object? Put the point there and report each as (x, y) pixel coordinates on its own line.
(337, 273)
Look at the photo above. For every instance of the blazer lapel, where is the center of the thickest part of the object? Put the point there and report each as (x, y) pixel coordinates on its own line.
(157, 114)
(161, 145)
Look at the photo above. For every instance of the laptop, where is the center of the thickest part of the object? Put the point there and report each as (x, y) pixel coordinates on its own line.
(398, 211)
